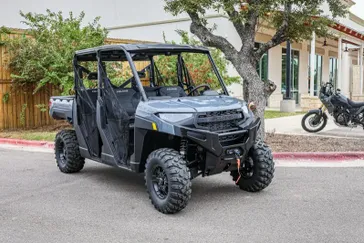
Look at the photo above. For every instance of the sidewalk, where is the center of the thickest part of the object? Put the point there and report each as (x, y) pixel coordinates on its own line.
(292, 125)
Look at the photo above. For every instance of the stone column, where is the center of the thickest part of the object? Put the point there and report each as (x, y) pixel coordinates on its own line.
(339, 64)
(360, 63)
(312, 64)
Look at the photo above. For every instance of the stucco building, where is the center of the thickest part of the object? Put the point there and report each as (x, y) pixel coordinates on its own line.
(338, 59)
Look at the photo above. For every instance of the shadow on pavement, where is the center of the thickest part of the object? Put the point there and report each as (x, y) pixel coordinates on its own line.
(204, 190)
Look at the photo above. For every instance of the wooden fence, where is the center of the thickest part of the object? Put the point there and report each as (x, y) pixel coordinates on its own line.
(19, 107)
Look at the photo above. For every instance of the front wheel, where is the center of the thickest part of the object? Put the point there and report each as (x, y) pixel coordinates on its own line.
(314, 121)
(257, 171)
(168, 180)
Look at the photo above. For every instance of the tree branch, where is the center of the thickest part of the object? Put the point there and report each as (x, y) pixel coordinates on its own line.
(279, 37)
(209, 39)
(234, 18)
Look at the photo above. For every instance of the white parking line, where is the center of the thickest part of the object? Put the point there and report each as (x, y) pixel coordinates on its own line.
(322, 164)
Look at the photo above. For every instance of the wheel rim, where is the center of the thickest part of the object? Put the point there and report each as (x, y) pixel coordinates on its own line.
(312, 121)
(62, 153)
(160, 182)
(248, 169)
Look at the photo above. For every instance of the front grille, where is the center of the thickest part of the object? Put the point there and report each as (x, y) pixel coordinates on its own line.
(219, 121)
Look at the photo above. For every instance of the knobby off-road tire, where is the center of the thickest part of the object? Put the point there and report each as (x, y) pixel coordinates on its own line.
(167, 166)
(312, 129)
(262, 172)
(68, 157)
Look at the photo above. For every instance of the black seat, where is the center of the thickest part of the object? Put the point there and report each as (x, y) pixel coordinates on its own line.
(92, 93)
(172, 91)
(151, 91)
(128, 99)
(355, 104)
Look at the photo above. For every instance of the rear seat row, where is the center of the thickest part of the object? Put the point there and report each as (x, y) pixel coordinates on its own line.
(129, 98)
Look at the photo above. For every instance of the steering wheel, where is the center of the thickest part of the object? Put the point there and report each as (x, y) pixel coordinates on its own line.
(207, 87)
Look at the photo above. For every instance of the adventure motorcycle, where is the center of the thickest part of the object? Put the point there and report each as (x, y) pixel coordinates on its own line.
(346, 113)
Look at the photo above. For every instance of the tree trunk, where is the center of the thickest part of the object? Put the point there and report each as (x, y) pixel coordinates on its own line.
(255, 90)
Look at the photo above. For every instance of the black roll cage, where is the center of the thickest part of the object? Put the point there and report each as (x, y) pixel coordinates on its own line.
(96, 54)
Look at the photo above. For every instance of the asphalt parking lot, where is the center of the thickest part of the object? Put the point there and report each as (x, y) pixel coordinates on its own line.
(103, 204)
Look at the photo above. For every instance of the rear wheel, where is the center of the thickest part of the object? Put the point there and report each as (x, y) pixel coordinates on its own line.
(68, 157)
(313, 121)
(257, 171)
(168, 181)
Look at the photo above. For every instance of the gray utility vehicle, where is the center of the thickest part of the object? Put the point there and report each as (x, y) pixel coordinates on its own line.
(147, 108)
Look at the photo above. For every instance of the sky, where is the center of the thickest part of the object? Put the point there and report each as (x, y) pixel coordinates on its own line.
(358, 8)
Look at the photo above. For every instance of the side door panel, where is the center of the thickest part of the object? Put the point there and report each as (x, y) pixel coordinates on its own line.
(86, 116)
(113, 123)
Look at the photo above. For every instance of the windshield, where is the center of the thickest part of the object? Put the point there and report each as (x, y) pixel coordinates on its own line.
(181, 74)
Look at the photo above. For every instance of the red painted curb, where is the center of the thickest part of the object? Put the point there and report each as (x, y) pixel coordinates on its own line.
(318, 156)
(28, 143)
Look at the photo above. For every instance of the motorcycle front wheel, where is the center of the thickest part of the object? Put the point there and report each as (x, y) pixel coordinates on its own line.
(313, 121)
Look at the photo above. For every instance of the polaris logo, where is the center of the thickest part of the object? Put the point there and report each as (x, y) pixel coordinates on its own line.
(123, 91)
(171, 88)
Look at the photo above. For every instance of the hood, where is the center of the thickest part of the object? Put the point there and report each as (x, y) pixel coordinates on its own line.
(193, 104)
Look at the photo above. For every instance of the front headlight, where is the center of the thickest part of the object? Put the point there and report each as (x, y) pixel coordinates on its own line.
(245, 110)
(175, 117)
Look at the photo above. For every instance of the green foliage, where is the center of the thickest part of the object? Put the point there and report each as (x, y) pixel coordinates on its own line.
(118, 72)
(22, 114)
(6, 97)
(46, 55)
(42, 107)
(306, 15)
(3, 32)
(198, 65)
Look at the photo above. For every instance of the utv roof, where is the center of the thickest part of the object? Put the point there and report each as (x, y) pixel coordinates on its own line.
(157, 48)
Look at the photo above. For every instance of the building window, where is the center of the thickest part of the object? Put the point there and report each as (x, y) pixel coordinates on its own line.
(317, 74)
(333, 71)
(262, 66)
(295, 64)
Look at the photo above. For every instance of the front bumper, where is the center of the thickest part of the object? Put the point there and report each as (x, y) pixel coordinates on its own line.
(218, 155)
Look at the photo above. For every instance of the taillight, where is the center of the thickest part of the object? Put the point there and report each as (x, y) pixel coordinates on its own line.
(50, 103)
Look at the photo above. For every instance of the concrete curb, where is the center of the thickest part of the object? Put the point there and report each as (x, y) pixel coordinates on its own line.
(317, 156)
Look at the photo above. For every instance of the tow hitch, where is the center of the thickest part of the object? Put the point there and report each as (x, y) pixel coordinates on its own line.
(238, 162)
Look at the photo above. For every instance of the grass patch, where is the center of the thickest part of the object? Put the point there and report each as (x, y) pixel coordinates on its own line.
(29, 135)
(277, 114)
(44, 133)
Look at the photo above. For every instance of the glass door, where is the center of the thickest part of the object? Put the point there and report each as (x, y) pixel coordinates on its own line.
(317, 74)
(333, 71)
(262, 66)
